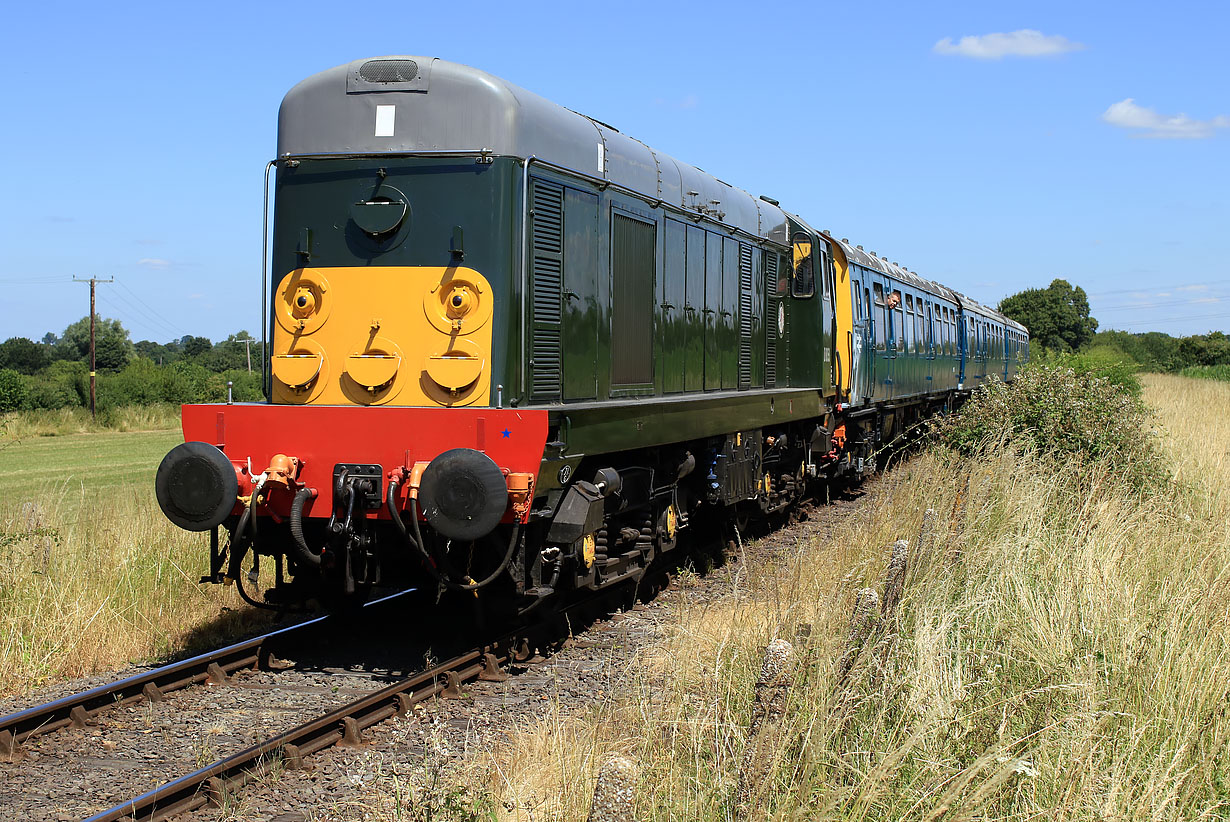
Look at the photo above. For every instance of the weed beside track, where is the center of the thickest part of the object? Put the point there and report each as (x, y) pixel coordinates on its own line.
(1061, 651)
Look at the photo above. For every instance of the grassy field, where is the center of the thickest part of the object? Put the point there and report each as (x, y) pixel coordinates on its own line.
(92, 576)
(1060, 651)
(19, 425)
(75, 466)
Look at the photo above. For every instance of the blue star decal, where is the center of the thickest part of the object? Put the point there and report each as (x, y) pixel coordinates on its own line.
(505, 433)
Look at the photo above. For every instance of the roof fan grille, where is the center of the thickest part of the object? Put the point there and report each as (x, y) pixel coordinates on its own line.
(389, 71)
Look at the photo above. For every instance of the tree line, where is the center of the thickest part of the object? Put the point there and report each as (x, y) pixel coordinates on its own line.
(54, 372)
(1059, 322)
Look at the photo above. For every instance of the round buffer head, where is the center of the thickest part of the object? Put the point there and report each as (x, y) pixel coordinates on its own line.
(464, 494)
(196, 486)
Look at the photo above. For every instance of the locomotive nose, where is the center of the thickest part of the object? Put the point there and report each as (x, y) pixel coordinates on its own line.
(196, 486)
(464, 494)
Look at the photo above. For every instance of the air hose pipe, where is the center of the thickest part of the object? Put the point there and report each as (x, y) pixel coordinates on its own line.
(304, 553)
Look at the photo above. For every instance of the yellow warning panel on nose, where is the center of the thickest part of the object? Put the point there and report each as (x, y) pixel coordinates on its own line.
(429, 346)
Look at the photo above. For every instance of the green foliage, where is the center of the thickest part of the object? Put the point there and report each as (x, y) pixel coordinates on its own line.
(1078, 407)
(1156, 351)
(23, 356)
(1207, 372)
(1205, 349)
(194, 346)
(1057, 316)
(12, 390)
(112, 347)
(1099, 361)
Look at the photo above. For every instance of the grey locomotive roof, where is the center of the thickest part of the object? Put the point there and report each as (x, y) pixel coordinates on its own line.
(440, 106)
(408, 104)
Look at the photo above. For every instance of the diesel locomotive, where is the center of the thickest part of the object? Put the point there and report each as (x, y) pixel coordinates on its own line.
(512, 348)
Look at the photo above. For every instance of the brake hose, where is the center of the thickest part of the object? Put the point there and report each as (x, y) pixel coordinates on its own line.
(417, 541)
(296, 527)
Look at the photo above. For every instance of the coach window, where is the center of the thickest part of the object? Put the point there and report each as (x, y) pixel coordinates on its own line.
(803, 283)
(898, 328)
(881, 317)
(858, 302)
(906, 330)
(919, 346)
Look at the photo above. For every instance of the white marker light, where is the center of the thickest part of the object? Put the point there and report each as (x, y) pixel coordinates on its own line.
(385, 117)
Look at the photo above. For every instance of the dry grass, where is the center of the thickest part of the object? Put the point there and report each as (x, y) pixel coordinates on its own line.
(1063, 654)
(92, 576)
(17, 425)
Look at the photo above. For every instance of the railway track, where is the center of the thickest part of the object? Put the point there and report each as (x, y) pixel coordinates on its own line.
(343, 725)
(217, 780)
(81, 709)
(339, 725)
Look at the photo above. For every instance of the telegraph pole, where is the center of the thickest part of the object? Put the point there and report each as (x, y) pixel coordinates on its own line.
(248, 346)
(93, 281)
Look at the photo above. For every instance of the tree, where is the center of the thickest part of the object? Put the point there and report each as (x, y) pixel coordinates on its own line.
(1057, 316)
(1205, 349)
(23, 355)
(193, 346)
(112, 347)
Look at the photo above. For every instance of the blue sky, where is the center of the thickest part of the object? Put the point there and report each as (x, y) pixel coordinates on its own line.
(990, 146)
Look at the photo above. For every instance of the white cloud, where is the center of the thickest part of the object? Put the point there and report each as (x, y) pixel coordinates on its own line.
(1192, 288)
(1023, 43)
(1126, 114)
(154, 262)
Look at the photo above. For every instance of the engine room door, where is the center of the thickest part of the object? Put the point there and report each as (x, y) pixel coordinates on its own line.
(693, 312)
(671, 301)
(580, 299)
(711, 311)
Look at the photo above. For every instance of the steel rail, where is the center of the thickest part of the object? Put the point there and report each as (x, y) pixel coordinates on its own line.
(342, 725)
(212, 666)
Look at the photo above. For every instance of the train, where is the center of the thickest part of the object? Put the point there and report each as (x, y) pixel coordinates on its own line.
(513, 350)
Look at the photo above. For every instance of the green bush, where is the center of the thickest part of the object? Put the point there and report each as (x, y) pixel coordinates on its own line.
(1083, 411)
(1103, 361)
(12, 390)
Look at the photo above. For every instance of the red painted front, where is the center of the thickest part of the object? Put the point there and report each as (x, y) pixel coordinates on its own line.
(324, 435)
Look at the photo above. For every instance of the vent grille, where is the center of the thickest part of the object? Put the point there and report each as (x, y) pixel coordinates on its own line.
(745, 316)
(770, 321)
(546, 285)
(389, 71)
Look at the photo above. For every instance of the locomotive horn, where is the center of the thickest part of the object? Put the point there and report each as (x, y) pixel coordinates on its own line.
(196, 486)
(464, 494)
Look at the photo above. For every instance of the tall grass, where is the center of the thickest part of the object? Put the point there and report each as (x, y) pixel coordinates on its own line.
(1207, 372)
(1062, 652)
(16, 425)
(91, 579)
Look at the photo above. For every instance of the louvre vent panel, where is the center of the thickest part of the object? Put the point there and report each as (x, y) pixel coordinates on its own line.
(547, 276)
(548, 206)
(745, 316)
(547, 366)
(546, 287)
(770, 321)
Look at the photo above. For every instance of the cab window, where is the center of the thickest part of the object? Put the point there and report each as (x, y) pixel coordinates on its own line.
(803, 281)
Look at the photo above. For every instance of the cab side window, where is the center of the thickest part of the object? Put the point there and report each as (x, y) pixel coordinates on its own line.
(803, 281)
